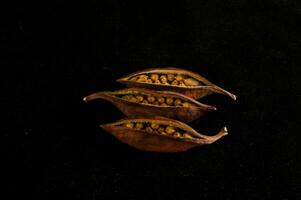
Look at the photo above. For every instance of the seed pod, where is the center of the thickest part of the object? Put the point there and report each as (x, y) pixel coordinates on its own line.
(151, 108)
(196, 86)
(149, 139)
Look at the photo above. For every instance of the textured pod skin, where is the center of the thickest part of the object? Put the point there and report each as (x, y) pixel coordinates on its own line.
(195, 92)
(136, 109)
(156, 142)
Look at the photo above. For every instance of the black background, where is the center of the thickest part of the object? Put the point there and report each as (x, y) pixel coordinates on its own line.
(58, 52)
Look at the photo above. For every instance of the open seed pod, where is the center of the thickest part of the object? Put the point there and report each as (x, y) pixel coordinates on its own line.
(159, 134)
(174, 79)
(139, 102)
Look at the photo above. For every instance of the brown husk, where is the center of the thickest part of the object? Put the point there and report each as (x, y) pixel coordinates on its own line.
(132, 109)
(156, 142)
(195, 92)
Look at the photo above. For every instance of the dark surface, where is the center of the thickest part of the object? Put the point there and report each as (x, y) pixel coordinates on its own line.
(56, 53)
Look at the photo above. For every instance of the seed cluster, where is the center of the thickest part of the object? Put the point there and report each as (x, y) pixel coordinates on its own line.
(167, 79)
(155, 100)
(151, 127)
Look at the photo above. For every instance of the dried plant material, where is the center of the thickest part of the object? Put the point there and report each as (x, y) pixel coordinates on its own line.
(138, 102)
(174, 79)
(159, 134)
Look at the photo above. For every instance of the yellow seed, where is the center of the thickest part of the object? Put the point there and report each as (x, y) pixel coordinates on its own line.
(191, 82)
(170, 77)
(139, 126)
(170, 130)
(154, 126)
(149, 129)
(151, 99)
(179, 77)
(177, 134)
(145, 101)
(169, 100)
(157, 82)
(135, 78)
(133, 99)
(154, 77)
(178, 102)
(128, 125)
(160, 130)
(163, 79)
(161, 99)
(181, 83)
(175, 82)
(142, 78)
(139, 98)
(186, 104)
(149, 81)
(187, 135)
(127, 97)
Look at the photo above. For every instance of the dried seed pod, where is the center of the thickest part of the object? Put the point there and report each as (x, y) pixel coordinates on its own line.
(196, 86)
(148, 108)
(154, 140)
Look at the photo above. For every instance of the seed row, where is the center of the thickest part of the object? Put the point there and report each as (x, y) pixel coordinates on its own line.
(167, 79)
(151, 127)
(159, 100)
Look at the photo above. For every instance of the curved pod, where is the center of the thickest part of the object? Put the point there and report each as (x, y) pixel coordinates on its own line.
(173, 105)
(174, 79)
(175, 137)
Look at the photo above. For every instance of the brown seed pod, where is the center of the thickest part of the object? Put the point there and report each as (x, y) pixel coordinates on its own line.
(151, 108)
(185, 82)
(149, 139)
